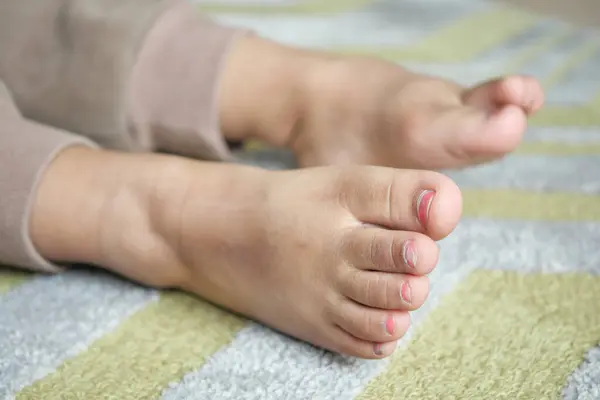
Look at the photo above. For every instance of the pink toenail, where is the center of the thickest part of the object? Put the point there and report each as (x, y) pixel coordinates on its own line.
(378, 349)
(423, 206)
(390, 325)
(410, 254)
(406, 292)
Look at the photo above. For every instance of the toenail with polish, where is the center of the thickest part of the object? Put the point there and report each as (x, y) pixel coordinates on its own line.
(410, 254)
(423, 206)
(406, 292)
(378, 349)
(390, 325)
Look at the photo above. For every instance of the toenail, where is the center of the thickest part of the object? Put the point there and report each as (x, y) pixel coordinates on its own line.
(423, 206)
(410, 254)
(378, 349)
(390, 325)
(406, 292)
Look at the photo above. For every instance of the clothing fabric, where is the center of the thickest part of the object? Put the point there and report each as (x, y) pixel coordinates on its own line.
(130, 75)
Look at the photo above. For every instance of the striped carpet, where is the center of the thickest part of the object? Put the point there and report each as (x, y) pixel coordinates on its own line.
(514, 309)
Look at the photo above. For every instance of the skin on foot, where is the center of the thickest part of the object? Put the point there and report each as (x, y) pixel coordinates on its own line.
(334, 256)
(343, 110)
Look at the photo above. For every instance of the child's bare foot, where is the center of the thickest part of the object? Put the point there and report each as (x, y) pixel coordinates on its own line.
(353, 110)
(334, 256)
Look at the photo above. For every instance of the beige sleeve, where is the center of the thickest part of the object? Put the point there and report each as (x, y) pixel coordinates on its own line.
(26, 148)
(136, 75)
(175, 83)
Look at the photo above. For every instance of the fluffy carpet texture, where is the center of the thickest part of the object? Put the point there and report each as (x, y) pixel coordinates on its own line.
(515, 306)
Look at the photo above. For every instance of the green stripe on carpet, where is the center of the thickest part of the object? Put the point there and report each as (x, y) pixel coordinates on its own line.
(558, 149)
(440, 46)
(499, 335)
(533, 206)
(557, 116)
(10, 278)
(154, 347)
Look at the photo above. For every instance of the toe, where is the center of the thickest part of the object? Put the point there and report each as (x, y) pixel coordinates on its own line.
(350, 345)
(420, 201)
(376, 249)
(370, 324)
(347, 344)
(521, 91)
(479, 136)
(385, 291)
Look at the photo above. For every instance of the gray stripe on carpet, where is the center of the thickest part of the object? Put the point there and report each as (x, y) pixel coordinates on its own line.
(544, 65)
(584, 383)
(52, 318)
(577, 174)
(515, 45)
(525, 246)
(262, 365)
(568, 135)
(580, 86)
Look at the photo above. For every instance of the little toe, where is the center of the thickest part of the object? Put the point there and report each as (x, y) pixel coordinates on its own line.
(420, 201)
(370, 324)
(350, 345)
(521, 91)
(377, 249)
(384, 290)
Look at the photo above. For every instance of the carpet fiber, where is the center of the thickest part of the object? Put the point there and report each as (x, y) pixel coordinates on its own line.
(515, 306)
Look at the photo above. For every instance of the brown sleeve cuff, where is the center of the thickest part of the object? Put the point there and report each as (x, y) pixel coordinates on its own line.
(175, 82)
(26, 149)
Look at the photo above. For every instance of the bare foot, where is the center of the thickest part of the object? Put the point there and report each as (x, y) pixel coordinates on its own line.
(336, 256)
(354, 110)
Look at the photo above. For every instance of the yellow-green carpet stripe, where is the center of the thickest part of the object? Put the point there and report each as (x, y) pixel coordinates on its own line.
(440, 46)
(558, 149)
(533, 206)
(10, 278)
(499, 335)
(585, 116)
(154, 347)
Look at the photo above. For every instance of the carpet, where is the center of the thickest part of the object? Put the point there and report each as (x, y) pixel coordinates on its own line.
(514, 308)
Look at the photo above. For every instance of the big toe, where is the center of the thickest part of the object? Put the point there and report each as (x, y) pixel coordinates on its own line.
(419, 201)
(492, 118)
(524, 92)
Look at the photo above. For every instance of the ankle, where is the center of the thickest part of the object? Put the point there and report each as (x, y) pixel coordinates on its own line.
(69, 206)
(94, 207)
(263, 91)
